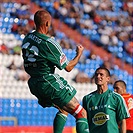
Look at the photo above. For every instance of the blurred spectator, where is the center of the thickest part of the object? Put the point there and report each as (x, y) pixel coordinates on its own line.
(21, 74)
(129, 48)
(87, 7)
(4, 49)
(14, 28)
(82, 59)
(17, 50)
(24, 22)
(108, 64)
(81, 77)
(113, 38)
(65, 44)
(23, 28)
(128, 6)
(92, 55)
(12, 66)
(113, 79)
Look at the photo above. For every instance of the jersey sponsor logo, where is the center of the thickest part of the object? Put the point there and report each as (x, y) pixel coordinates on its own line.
(62, 59)
(100, 118)
(99, 107)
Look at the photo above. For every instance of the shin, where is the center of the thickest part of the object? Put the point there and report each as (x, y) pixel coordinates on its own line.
(81, 119)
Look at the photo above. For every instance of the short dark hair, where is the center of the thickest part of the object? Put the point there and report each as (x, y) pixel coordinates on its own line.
(40, 17)
(104, 68)
(122, 83)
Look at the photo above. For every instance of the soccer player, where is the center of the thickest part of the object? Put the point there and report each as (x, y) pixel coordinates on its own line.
(41, 55)
(105, 108)
(120, 87)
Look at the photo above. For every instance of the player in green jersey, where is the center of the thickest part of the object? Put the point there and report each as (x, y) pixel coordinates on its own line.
(41, 55)
(106, 110)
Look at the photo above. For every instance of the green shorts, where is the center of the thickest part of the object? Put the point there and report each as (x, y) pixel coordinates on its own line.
(51, 89)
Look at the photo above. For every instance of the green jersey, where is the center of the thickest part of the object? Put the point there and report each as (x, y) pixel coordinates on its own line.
(104, 111)
(42, 54)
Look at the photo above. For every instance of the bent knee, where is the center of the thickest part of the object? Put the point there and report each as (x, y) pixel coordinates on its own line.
(61, 110)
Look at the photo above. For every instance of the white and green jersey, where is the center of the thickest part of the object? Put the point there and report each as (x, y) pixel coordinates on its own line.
(42, 54)
(104, 111)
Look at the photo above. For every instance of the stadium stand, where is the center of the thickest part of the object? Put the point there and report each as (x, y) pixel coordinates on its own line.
(17, 105)
(103, 22)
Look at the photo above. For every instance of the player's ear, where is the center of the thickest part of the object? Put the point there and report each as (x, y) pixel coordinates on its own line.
(108, 79)
(47, 23)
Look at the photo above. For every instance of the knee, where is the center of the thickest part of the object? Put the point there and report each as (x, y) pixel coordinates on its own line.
(61, 110)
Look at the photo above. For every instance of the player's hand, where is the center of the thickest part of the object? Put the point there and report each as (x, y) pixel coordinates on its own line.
(79, 49)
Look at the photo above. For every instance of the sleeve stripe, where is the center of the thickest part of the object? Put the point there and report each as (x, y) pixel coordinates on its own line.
(123, 103)
(53, 53)
(57, 45)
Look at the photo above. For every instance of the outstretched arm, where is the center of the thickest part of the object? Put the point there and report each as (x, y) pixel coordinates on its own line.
(74, 61)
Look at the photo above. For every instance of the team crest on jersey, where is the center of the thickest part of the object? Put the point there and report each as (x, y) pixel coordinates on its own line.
(130, 103)
(62, 59)
(100, 118)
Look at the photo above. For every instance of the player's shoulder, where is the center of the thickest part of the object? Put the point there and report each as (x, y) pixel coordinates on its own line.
(54, 44)
(113, 93)
(89, 95)
(130, 95)
(127, 95)
(116, 95)
(52, 41)
(26, 36)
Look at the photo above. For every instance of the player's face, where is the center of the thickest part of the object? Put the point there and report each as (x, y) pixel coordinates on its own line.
(101, 77)
(118, 88)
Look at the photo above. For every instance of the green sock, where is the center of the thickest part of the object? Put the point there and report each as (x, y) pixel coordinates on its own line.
(82, 125)
(59, 122)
